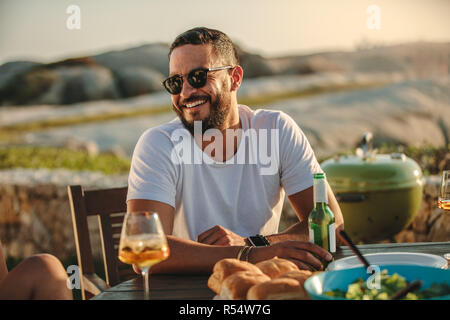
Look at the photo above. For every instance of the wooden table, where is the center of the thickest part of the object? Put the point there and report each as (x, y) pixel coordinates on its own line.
(194, 287)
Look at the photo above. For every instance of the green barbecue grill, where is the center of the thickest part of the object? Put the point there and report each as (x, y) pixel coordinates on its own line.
(379, 194)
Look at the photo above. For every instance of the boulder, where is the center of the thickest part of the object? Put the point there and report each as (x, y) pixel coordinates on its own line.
(135, 81)
(27, 87)
(150, 56)
(86, 83)
(254, 65)
(10, 70)
(63, 82)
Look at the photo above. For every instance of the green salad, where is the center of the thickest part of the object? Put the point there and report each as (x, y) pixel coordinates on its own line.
(389, 284)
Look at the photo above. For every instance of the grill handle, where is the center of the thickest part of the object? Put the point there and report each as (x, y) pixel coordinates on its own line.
(350, 197)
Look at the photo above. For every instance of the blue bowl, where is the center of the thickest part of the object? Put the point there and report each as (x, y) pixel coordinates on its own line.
(322, 282)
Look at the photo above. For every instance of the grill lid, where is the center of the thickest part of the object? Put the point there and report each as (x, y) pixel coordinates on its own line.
(372, 173)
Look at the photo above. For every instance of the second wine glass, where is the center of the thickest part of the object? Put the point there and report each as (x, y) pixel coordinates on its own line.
(444, 195)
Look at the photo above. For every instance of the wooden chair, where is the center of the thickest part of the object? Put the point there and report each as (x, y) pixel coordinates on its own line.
(110, 207)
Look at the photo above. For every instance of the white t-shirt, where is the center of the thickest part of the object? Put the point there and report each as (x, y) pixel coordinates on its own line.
(245, 194)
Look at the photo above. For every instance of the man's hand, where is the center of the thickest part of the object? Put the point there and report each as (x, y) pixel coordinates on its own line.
(304, 254)
(221, 236)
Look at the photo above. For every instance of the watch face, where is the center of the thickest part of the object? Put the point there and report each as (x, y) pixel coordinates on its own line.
(257, 241)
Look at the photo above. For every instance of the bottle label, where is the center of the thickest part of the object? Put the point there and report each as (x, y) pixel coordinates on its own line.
(332, 236)
(318, 236)
(311, 235)
(324, 237)
(320, 191)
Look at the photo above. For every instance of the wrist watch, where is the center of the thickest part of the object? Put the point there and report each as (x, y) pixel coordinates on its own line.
(258, 241)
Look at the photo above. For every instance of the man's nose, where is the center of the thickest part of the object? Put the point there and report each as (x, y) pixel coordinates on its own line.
(186, 90)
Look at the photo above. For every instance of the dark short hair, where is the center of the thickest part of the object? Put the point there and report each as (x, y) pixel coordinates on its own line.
(221, 43)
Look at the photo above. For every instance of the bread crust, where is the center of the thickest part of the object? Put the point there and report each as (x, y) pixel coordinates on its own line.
(275, 267)
(274, 279)
(278, 289)
(226, 267)
(236, 286)
(300, 275)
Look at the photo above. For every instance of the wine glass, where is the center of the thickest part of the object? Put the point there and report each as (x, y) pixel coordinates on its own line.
(143, 242)
(444, 195)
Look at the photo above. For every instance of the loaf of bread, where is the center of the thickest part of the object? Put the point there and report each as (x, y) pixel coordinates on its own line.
(277, 289)
(235, 287)
(226, 267)
(299, 275)
(276, 267)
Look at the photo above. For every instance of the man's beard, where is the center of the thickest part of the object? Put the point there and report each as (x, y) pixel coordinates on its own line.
(219, 110)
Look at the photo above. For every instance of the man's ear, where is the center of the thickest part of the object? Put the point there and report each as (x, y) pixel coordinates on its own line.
(236, 77)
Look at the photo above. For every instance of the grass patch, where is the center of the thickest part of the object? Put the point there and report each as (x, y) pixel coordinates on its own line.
(32, 157)
(13, 133)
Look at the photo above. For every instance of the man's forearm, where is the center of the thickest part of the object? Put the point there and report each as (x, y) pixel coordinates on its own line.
(298, 231)
(188, 256)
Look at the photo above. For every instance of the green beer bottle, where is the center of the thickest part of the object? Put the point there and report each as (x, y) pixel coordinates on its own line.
(322, 228)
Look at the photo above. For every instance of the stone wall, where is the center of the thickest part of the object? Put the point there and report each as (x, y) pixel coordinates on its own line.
(431, 223)
(37, 219)
(35, 212)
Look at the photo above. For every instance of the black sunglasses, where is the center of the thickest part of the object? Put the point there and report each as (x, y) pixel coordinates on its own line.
(196, 78)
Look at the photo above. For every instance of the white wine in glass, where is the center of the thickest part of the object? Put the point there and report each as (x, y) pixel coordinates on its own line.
(143, 242)
(444, 195)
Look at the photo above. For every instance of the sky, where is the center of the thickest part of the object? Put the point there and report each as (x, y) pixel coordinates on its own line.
(37, 29)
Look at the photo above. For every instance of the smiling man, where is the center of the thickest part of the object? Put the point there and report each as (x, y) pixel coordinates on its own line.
(226, 206)
(210, 102)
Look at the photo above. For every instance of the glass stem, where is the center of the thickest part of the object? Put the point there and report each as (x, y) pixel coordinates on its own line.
(146, 284)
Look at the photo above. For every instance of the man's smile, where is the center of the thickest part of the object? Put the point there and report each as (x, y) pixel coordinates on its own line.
(194, 105)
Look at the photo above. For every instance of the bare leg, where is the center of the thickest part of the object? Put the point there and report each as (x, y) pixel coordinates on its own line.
(39, 277)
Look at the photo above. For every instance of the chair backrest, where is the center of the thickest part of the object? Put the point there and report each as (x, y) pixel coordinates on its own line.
(109, 205)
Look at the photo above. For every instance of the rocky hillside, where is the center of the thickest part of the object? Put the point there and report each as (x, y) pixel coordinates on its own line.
(137, 71)
(411, 112)
(110, 75)
(421, 59)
